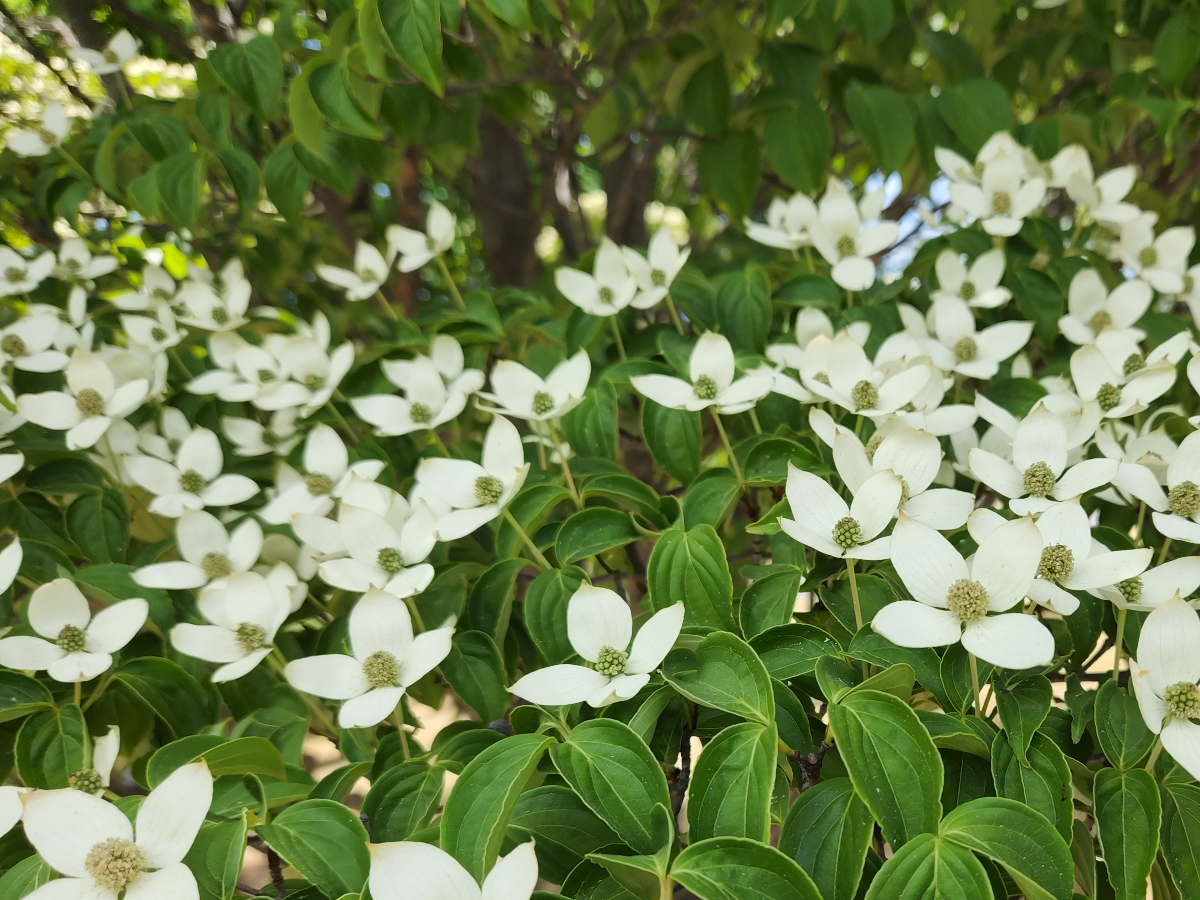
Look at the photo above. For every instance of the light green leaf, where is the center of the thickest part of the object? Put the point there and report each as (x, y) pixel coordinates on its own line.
(180, 179)
(733, 868)
(253, 71)
(413, 28)
(215, 858)
(593, 531)
(691, 566)
(885, 121)
(928, 867)
(403, 800)
(1023, 708)
(723, 673)
(1128, 817)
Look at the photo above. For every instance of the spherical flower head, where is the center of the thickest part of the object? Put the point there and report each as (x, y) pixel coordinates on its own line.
(1039, 480)
(390, 560)
(115, 863)
(1184, 499)
(1001, 203)
(864, 395)
(873, 445)
(847, 533)
(89, 402)
(160, 334)
(965, 349)
(220, 315)
(542, 403)
(420, 413)
(1131, 589)
(610, 661)
(658, 277)
(1056, 564)
(381, 669)
(85, 780)
(216, 565)
(1100, 321)
(705, 388)
(1147, 257)
(822, 378)
(314, 382)
(967, 600)
(904, 494)
(13, 345)
(250, 637)
(968, 290)
(845, 245)
(71, 639)
(1183, 700)
(192, 481)
(318, 485)
(1135, 362)
(1109, 396)
(606, 294)
(14, 274)
(488, 489)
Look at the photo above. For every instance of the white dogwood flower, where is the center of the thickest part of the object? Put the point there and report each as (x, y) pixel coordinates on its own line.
(657, 269)
(787, 223)
(120, 49)
(385, 659)
(609, 289)
(1160, 260)
(98, 776)
(839, 371)
(518, 392)
(74, 645)
(368, 275)
(407, 870)
(600, 628)
(1004, 197)
(842, 234)
(416, 248)
(158, 333)
(157, 288)
(101, 852)
(194, 480)
(1113, 374)
(711, 370)
(436, 388)
(1092, 309)
(475, 493)
(1038, 474)
(1101, 199)
(1164, 677)
(979, 285)
(316, 369)
(19, 275)
(960, 348)
(327, 471)
(209, 552)
(88, 406)
(1155, 586)
(199, 303)
(28, 344)
(251, 438)
(245, 610)
(11, 558)
(75, 261)
(42, 139)
(822, 520)
(953, 598)
(1180, 518)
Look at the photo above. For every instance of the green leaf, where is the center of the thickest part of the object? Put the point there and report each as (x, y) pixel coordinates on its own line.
(212, 112)
(24, 878)
(476, 813)
(1040, 300)
(952, 53)
(1120, 728)
(287, 182)
(50, 747)
(1180, 836)
(241, 756)
(215, 858)
(710, 497)
(691, 566)
(827, 831)
(1177, 46)
(928, 867)
(531, 507)
(793, 649)
(873, 18)
(1023, 707)
(180, 178)
(591, 427)
(403, 800)
(730, 168)
(489, 605)
(767, 462)
(514, 12)
(975, 110)
(243, 175)
(892, 762)
(565, 829)
(339, 783)
(1016, 395)
(21, 695)
(99, 525)
(723, 673)
(1024, 842)
(370, 33)
(475, 670)
(253, 71)
(1044, 785)
(329, 86)
(546, 611)
(733, 868)
(798, 143)
(593, 531)
(730, 790)
(160, 135)
(744, 308)
(66, 476)
(612, 770)
(413, 28)
(705, 100)
(769, 602)
(673, 437)
(324, 841)
(885, 121)
(874, 593)
(171, 693)
(626, 490)
(1128, 816)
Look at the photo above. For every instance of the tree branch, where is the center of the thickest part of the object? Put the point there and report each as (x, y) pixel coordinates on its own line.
(39, 55)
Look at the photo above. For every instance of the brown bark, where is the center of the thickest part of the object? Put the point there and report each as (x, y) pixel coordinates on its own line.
(629, 183)
(212, 24)
(503, 195)
(410, 214)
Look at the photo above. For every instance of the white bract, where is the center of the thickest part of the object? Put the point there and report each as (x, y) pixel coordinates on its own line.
(1158, 260)
(1113, 374)
(787, 223)
(27, 344)
(1164, 677)
(73, 645)
(839, 371)
(41, 140)
(1179, 517)
(368, 275)
(954, 596)
(711, 371)
(600, 628)
(88, 406)
(607, 290)
(120, 49)
(656, 270)
(1100, 199)
(194, 480)
(842, 234)
(407, 870)
(1004, 197)
(416, 248)
(436, 388)
(521, 393)
(327, 471)
(385, 658)
(251, 438)
(1155, 586)
(75, 261)
(979, 285)
(960, 348)
(822, 520)
(19, 275)
(1091, 309)
(210, 553)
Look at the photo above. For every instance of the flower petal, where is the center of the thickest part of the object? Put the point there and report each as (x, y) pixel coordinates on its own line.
(64, 826)
(25, 653)
(597, 618)
(175, 882)
(514, 877)
(380, 622)
(1007, 562)
(331, 675)
(561, 685)
(55, 606)
(926, 562)
(407, 870)
(907, 623)
(114, 627)
(654, 640)
(370, 709)
(170, 817)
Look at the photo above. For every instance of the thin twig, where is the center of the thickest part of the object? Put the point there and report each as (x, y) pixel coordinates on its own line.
(27, 43)
(275, 864)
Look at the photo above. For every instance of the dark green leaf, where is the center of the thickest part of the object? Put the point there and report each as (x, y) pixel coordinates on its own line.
(403, 800)
(1120, 728)
(827, 832)
(730, 790)
(1128, 816)
(733, 868)
(1023, 708)
(928, 867)
(885, 121)
(50, 747)
(723, 673)
(546, 611)
(99, 525)
(691, 566)
(324, 841)
(593, 531)
(475, 670)
(798, 143)
(673, 436)
(253, 71)
(1044, 785)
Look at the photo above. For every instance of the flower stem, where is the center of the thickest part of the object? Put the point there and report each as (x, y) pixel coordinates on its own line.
(75, 164)
(78, 691)
(1140, 523)
(754, 421)
(532, 547)
(737, 470)
(1163, 555)
(674, 314)
(387, 307)
(1118, 642)
(436, 440)
(858, 623)
(450, 283)
(414, 613)
(975, 684)
(398, 718)
(97, 693)
(1155, 750)
(342, 421)
(562, 458)
(616, 330)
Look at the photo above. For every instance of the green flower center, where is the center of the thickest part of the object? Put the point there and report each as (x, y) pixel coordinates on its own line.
(1184, 499)
(1135, 362)
(115, 863)
(14, 274)
(13, 345)
(271, 439)
(367, 275)
(381, 669)
(864, 395)
(420, 413)
(606, 294)
(89, 402)
(220, 315)
(967, 600)
(543, 402)
(266, 376)
(967, 291)
(1100, 321)
(1109, 396)
(1183, 700)
(904, 495)
(847, 533)
(705, 388)
(314, 382)
(160, 294)
(1188, 283)
(430, 243)
(86, 780)
(192, 481)
(1039, 480)
(250, 637)
(158, 334)
(71, 639)
(488, 489)
(658, 277)
(1001, 203)
(1131, 589)
(610, 661)
(845, 245)
(318, 484)
(110, 56)
(965, 349)
(1056, 564)
(49, 138)
(1148, 257)
(873, 445)
(216, 565)
(823, 378)
(390, 560)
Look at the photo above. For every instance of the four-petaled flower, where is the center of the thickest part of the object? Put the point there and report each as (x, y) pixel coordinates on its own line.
(711, 382)
(1164, 677)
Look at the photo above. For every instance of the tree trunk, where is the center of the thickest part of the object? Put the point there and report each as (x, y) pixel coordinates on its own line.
(503, 193)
